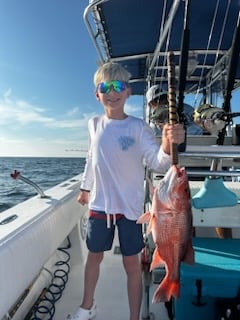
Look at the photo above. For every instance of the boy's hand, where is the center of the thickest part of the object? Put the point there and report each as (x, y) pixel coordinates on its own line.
(83, 197)
(172, 134)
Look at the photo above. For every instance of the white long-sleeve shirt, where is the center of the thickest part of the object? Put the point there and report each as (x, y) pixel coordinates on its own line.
(114, 171)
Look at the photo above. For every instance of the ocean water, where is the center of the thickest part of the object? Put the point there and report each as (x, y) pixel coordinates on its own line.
(46, 172)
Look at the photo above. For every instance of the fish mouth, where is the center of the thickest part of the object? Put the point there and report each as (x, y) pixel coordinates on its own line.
(173, 192)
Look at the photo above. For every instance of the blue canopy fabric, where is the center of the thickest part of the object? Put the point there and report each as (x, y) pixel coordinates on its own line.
(132, 28)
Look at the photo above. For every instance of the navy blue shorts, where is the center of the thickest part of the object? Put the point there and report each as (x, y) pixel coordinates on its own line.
(100, 238)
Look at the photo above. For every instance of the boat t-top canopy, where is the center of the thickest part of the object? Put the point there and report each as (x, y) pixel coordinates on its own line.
(203, 35)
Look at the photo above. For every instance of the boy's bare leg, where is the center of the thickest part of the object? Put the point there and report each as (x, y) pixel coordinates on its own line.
(92, 269)
(134, 284)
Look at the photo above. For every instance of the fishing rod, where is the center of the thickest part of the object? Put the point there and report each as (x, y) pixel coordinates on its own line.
(183, 63)
(235, 50)
(173, 115)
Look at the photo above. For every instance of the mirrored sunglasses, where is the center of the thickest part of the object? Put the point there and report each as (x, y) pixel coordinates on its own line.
(117, 85)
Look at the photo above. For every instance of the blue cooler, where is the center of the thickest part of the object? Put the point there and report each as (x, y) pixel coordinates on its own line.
(212, 283)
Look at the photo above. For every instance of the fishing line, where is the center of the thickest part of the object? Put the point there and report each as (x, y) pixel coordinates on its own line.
(221, 37)
(206, 54)
(167, 43)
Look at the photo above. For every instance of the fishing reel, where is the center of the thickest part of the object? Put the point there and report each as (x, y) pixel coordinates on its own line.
(212, 119)
(160, 115)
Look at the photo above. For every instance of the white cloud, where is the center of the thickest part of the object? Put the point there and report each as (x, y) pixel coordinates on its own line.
(59, 147)
(73, 111)
(27, 130)
(22, 112)
(133, 107)
(72, 123)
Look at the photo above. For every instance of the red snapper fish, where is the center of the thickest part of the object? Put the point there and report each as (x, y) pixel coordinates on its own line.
(170, 221)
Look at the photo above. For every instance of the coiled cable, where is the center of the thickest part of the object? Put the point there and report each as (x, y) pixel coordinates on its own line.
(44, 308)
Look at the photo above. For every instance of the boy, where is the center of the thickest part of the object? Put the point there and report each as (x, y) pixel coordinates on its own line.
(114, 173)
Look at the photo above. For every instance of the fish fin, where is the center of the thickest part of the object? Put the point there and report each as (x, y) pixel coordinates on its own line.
(156, 260)
(189, 256)
(166, 290)
(149, 228)
(144, 218)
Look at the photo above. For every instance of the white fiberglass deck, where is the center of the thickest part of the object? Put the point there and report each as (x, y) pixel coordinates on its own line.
(111, 293)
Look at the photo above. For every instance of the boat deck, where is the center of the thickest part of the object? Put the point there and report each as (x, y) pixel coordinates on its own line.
(111, 293)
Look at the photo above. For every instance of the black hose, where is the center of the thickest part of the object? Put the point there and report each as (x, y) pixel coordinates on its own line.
(45, 305)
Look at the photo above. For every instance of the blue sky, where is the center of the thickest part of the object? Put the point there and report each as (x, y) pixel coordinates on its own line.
(47, 62)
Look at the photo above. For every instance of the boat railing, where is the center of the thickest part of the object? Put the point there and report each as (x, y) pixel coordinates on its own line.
(17, 175)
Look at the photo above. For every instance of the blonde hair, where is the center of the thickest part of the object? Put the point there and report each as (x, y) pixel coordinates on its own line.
(111, 71)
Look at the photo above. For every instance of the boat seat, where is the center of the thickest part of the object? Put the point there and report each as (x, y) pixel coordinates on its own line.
(214, 194)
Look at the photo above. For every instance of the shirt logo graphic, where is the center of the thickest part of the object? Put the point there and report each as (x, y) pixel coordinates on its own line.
(125, 142)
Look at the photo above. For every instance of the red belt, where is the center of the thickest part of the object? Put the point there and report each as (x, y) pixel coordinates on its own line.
(103, 216)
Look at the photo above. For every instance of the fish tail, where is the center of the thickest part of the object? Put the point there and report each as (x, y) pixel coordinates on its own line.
(156, 260)
(175, 289)
(166, 290)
